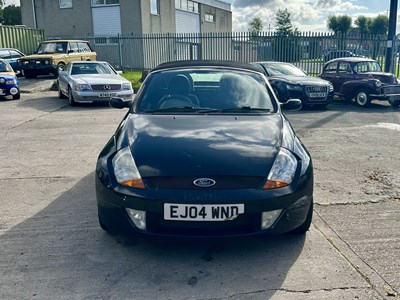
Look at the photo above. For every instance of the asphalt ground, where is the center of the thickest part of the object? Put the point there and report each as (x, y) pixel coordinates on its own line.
(52, 247)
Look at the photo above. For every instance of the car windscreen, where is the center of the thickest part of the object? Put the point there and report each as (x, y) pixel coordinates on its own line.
(283, 69)
(91, 68)
(4, 67)
(50, 48)
(205, 90)
(367, 66)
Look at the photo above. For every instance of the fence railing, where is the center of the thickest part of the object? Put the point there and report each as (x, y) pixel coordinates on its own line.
(23, 38)
(306, 50)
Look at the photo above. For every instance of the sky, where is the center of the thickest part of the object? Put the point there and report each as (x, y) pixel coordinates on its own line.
(306, 15)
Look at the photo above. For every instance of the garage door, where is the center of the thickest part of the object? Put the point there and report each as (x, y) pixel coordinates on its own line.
(106, 20)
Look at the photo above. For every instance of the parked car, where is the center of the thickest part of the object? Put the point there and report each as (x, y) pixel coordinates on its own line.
(52, 56)
(12, 55)
(337, 54)
(9, 85)
(361, 80)
(92, 81)
(204, 150)
(290, 82)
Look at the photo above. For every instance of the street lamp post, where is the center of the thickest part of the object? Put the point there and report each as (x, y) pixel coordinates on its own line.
(391, 34)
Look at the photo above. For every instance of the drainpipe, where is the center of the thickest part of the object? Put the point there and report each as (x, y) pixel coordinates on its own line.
(34, 14)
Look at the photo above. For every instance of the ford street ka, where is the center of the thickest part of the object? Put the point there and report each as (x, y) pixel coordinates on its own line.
(204, 151)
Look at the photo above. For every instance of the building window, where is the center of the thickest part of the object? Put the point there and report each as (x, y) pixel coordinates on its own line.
(209, 18)
(65, 3)
(187, 5)
(155, 7)
(104, 2)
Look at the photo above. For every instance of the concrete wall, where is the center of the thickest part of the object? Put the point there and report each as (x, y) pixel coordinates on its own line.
(222, 18)
(75, 21)
(131, 16)
(163, 23)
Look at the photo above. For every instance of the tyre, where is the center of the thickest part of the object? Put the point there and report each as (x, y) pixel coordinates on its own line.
(362, 98)
(60, 67)
(102, 226)
(395, 104)
(16, 96)
(303, 228)
(60, 94)
(71, 97)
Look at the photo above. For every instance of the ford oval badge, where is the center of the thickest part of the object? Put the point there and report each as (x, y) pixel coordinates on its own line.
(204, 182)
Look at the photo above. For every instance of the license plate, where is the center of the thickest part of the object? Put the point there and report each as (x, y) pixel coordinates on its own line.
(317, 95)
(208, 212)
(107, 95)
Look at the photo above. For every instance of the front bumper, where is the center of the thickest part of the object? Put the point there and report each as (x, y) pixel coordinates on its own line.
(90, 97)
(295, 205)
(9, 90)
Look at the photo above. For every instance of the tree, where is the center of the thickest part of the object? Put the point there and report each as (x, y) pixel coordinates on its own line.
(339, 24)
(255, 25)
(363, 24)
(380, 25)
(284, 25)
(287, 45)
(11, 15)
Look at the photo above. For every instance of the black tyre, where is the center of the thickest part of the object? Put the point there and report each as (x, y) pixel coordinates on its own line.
(60, 94)
(60, 67)
(102, 226)
(71, 97)
(16, 96)
(303, 228)
(395, 104)
(362, 98)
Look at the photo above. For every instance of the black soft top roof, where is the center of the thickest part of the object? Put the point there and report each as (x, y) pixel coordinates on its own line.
(206, 63)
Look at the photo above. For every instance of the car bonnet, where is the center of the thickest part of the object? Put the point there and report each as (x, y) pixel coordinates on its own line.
(164, 145)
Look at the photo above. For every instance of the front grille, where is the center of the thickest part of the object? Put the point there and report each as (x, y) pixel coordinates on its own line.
(106, 87)
(391, 89)
(317, 92)
(222, 182)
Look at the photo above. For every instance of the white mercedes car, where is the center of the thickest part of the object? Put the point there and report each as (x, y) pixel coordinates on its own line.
(92, 81)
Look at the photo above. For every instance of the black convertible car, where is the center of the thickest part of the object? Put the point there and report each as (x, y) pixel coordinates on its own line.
(289, 82)
(204, 150)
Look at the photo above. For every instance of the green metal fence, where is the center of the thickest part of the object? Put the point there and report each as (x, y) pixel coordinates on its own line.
(306, 50)
(23, 38)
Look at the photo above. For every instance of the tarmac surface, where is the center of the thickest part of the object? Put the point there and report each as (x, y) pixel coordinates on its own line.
(52, 247)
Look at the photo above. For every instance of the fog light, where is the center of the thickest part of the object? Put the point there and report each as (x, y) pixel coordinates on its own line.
(269, 217)
(138, 217)
(13, 91)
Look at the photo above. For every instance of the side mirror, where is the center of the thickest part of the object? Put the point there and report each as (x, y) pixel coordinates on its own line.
(119, 72)
(292, 104)
(119, 103)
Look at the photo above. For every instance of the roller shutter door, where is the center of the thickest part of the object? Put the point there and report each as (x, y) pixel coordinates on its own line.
(187, 22)
(106, 20)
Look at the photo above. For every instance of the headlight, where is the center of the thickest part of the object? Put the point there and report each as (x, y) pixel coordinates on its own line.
(127, 86)
(294, 87)
(2, 80)
(282, 171)
(11, 81)
(82, 87)
(330, 87)
(125, 169)
(378, 83)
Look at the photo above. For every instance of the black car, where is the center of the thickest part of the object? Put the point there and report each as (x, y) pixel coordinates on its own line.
(204, 150)
(289, 82)
(361, 80)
